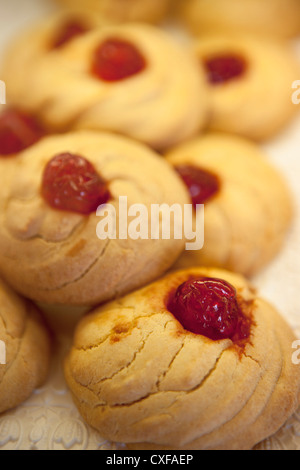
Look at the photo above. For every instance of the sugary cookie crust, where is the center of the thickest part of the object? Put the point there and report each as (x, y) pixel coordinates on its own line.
(63, 260)
(27, 344)
(138, 377)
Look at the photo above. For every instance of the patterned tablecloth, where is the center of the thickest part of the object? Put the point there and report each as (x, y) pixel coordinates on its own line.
(49, 420)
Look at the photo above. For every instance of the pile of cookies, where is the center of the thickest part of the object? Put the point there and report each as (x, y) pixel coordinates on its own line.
(177, 350)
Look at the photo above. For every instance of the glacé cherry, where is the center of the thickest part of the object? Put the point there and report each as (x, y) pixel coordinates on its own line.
(68, 31)
(202, 184)
(116, 59)
(223, 68)
(18, 131)
(209, 307)
(71, 183)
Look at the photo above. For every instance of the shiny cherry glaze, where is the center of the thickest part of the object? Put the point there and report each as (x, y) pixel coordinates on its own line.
(68, 31)
(202, 184)
(18, 130)
(223, 68)
(209, 307)
(71, 183)
(116, 59)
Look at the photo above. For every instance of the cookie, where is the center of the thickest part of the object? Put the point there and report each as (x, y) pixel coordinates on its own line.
(275, 18)
(196, 360)
(71, 253)
(31, 45)
(117, 79)
(27, 348)
(118, 11)
(248, 207)
(250, 83)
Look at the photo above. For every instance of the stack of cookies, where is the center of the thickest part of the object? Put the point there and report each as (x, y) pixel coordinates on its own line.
(111, 116)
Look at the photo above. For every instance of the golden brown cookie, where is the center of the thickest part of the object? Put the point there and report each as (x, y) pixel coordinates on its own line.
(70, 253)
(250, 81)
(247, 205)
(226, 381)
(278, 18)
(118, 11)
(124, 79)
(31, 45)
(25, 362)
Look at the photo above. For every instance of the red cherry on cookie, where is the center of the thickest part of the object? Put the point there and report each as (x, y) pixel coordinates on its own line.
(18, 131)
(209, 307)
(68, 31)
(223, 68)
(116, 59)
(71, 183)
(202, 184)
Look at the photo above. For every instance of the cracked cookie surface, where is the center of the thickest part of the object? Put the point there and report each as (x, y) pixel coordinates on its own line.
(138, 377)
(63, 260)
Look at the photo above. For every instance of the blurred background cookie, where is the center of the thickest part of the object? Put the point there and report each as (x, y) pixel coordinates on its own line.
(277, 18)
(135, 80)
(247, 204)
(50, 218)
(27, 349)
(196, 360)
(118, 11)
(250, 82)
(30, 45)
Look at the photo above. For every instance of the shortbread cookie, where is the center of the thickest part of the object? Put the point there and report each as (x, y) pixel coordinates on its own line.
(125, 79)
(277, 18)
(250, 84)
(247, 204)
(196, 360)
(118, 11)
(31, 45)
(71, 253)
(25, 349)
